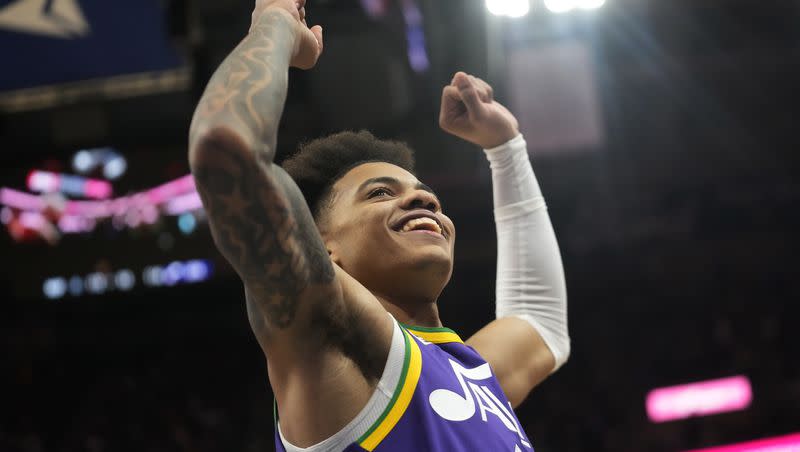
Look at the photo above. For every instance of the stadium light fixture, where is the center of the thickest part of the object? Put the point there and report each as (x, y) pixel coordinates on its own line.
(509, 8)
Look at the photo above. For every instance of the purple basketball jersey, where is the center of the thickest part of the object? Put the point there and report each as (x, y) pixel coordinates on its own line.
(447, 399)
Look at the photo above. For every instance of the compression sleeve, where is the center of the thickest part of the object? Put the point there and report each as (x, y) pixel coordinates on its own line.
(530, 275)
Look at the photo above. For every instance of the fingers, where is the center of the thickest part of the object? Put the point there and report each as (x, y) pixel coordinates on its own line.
(486, 91)
(317, 30)
(451, 92)
(468, 91)
(450, 96)
(451, 100)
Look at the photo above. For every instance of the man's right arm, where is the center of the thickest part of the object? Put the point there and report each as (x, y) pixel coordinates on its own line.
(325, 336)
(258, 217)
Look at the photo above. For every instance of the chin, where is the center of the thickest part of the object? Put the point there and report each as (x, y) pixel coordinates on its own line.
(432, 255)
(435, 262)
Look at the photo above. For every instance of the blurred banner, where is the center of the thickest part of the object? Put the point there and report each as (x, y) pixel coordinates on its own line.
(699, 399)
(59, 42)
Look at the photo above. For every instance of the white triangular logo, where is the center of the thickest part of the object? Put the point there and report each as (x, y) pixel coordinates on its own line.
(55, 18)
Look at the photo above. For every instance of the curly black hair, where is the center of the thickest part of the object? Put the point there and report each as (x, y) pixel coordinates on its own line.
(319, 163)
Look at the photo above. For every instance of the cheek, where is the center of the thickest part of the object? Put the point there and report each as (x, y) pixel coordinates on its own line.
(449, 223)
(364, 235)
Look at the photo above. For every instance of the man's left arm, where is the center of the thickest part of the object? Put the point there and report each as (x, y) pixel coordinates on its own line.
(528, 341)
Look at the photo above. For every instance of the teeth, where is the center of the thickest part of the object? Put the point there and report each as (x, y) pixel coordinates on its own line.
(413, 224)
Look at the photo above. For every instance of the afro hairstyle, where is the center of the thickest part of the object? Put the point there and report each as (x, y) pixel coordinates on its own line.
(319, 163)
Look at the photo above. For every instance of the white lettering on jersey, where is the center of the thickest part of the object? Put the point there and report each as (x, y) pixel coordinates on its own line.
(486, 404)
(457, 407)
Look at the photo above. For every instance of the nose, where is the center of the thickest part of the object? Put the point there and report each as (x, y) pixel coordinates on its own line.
(421, 199)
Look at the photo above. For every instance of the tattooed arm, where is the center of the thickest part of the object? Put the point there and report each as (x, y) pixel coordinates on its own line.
(258, 217)
(325, 342)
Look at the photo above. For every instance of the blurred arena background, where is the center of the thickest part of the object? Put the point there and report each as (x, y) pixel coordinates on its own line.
(664, 135)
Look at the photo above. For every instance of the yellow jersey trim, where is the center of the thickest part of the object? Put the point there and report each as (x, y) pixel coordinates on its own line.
(401, 398)
(435, 335)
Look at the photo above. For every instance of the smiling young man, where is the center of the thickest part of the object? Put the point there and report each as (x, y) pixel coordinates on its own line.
(344, 253)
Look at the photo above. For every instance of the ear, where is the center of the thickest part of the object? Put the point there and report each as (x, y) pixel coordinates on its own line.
(332, 247)
(333, 254)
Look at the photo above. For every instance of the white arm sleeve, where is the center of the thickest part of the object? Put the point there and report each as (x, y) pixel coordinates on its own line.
(530, 276)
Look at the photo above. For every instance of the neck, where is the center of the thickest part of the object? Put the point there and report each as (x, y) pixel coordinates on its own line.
(412, 312)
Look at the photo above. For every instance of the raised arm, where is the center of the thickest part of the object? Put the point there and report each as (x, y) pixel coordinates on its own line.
(258, 217)
(529, 339)
(326, 342)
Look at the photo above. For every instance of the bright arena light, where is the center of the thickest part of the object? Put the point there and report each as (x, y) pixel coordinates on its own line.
(563, 6)
(187, 223)
(83, 161)
(96, 283)
(115, 167)
(124, 279)
(510, 8)
(54, 288)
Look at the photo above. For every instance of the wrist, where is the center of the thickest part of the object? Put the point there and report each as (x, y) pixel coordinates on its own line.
(498, 135)
(516, 142)
(274, 17)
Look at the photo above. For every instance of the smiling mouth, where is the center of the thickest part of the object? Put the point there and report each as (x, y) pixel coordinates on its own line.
(423, 225)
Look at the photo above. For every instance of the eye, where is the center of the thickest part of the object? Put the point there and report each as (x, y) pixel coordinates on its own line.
(379, 192)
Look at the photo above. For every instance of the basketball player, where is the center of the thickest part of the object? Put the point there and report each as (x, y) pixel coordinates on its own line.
(343, 254)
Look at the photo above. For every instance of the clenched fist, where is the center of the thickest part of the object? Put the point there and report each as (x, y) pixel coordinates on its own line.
(308, 41)
(470, 112)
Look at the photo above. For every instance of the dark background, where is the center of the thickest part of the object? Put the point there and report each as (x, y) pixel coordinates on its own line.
(677, 226)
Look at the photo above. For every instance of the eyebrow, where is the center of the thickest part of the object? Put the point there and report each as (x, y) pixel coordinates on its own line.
(396, 182)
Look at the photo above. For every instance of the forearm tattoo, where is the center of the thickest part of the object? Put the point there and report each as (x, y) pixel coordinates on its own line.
(248, 90)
